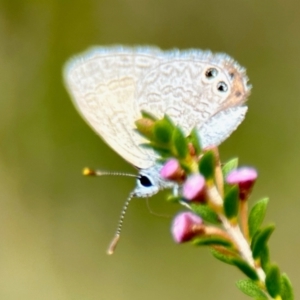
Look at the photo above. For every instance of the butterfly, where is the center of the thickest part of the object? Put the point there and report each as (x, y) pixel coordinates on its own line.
(110, 86)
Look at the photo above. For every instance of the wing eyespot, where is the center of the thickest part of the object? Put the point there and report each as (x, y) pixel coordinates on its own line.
(222, 87)
(211, 73)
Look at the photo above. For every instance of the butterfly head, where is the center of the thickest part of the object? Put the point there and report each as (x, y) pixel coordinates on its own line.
(149, 182)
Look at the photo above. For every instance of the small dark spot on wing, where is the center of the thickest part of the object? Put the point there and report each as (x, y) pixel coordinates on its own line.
(238, 94)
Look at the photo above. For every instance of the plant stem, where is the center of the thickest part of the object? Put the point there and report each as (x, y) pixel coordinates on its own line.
(244, 248)
(244, 218)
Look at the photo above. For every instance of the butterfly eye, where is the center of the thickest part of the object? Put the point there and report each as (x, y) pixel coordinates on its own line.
(144, 181)
(211, 73)
(222, 86)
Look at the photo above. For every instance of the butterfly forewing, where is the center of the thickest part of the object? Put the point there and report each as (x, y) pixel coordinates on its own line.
(103, 85)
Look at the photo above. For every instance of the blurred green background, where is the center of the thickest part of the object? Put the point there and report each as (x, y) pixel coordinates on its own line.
(55, 224)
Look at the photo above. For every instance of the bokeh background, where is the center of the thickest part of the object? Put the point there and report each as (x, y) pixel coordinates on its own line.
(55, 224)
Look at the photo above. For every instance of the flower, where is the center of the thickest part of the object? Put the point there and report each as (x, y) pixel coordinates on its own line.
(194, 188)
(183, 226)
(245, 178)
(171, 170)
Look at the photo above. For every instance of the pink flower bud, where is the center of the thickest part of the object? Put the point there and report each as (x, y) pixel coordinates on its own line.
(245, 178)
(183, 226)
(171, 170)
(194, 188)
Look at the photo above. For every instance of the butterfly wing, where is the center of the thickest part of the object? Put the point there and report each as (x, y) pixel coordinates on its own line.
(197, 89)
(221, 125)
(110, 86)
(103, 83)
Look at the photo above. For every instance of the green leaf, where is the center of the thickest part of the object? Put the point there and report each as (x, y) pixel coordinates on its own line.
(163, 130)
(185, 166)
(194, 138)
(231, 202)
(147, 115)
(265, 257)
(226, 169)
(229, 166)
(257, 215)
(245, 268)
(207, 165)
(224, 257)
(260, 240)
(273, 281)
(211, 241)
(145, 128)
(286, 288)
(206, 213)
(179, 143)
(250, 288)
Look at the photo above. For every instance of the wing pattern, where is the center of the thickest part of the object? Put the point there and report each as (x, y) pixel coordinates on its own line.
(110, 86)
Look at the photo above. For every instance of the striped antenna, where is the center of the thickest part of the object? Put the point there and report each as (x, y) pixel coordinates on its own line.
(114, 242)
(91, 172)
